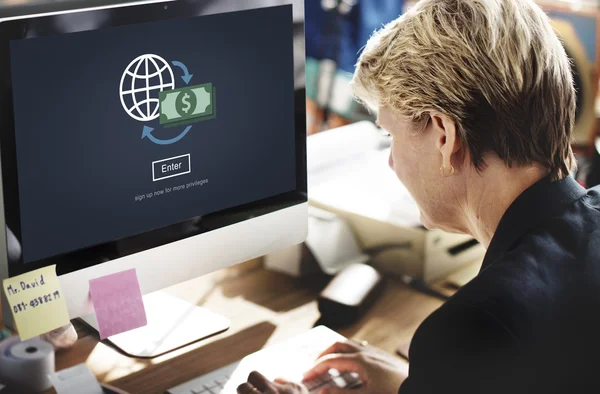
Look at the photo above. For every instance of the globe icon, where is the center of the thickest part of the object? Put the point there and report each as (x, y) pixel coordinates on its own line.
(142, 81)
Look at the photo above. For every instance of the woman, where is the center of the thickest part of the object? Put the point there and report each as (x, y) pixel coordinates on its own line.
(478, 98)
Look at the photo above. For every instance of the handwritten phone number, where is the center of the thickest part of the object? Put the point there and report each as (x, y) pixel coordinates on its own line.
(34, 303)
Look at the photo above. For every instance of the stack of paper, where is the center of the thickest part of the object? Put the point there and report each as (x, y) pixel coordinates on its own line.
(348, 170)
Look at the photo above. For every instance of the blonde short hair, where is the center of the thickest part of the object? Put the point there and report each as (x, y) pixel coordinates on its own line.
(496, 67)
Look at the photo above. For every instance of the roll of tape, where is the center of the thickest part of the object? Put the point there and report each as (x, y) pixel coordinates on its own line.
(26, 364)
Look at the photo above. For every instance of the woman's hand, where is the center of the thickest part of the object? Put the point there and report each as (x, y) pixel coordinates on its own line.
(379, 372)
(258, 384)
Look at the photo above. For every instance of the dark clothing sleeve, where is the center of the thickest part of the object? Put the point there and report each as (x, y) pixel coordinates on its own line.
(462, 349)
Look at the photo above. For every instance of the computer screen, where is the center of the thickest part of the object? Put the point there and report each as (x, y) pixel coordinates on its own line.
(144, 129)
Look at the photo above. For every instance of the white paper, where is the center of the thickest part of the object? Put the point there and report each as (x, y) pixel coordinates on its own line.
(326, 149)
(348, 170)
(76, 380)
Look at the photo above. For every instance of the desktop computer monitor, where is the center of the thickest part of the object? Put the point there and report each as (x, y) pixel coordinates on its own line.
(165, 136)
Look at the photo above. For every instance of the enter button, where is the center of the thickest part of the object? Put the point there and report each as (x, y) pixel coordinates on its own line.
(171, 167)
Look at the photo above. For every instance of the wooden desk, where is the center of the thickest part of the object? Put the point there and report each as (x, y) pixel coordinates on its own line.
(264, 308)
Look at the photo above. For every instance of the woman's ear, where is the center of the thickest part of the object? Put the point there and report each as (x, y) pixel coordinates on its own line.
(447, 141)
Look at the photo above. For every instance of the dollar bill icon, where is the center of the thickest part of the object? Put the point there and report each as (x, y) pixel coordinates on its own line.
(187, 105)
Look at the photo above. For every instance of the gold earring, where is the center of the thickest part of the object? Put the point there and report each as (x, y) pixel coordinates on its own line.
(446, 174)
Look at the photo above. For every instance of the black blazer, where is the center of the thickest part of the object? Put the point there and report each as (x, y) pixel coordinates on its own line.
(530, 321)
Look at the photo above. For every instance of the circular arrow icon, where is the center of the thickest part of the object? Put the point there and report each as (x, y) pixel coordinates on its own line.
(175, 107)
(147, 133)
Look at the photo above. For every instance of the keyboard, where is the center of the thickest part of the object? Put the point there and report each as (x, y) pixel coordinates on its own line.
(288, 360)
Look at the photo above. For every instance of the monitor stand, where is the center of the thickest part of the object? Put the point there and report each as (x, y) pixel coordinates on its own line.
(172, 323)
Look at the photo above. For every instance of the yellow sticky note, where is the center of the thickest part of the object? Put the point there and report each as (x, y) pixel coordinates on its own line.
(37, 302)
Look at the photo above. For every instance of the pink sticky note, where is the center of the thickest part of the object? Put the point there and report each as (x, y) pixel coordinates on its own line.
(118, 303)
